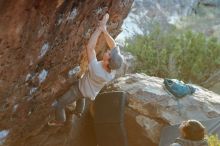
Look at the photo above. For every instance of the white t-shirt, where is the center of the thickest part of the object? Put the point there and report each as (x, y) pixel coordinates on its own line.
(94, 79)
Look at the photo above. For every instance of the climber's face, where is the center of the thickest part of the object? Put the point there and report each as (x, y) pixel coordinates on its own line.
(106, 57)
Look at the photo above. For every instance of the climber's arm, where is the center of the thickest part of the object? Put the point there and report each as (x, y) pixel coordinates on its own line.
(110, 41)
(91, 54)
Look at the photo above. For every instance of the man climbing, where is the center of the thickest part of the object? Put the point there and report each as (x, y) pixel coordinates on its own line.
(98, 74)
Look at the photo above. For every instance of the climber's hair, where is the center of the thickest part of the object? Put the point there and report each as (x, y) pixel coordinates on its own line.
(193, 130)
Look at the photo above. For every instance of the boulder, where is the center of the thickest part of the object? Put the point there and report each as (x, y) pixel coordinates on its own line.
(150, 107)
(41, 41)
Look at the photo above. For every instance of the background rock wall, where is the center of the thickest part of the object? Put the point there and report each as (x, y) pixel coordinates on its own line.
(150, 107)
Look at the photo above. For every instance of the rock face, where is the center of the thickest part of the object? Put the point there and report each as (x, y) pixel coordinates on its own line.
(40, 42)
(150, 107)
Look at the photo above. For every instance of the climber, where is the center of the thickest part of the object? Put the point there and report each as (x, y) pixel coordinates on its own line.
(98, 74)
(192, 134)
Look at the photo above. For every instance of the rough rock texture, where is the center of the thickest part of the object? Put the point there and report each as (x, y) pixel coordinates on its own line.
(40, 42)
(150, 107)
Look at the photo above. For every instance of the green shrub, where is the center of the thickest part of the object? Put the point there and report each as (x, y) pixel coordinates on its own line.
(186, 55)
(213, 140)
